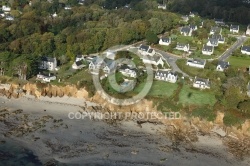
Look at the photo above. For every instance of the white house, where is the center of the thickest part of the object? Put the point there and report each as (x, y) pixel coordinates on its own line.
(79, 58)
(215, 30)
(78, 65)
(6, 9)
(182, 47)
(234, 28)
(245, 50)
(219, 22)
(109, 66)
(46, 77)
(128, 71)
(248, 30)
(192, 14)
(9, 18)
(162, 6)
(207, 50)
(186, 31)
(95, 64)
(222, 65)
(154, 60)
(193, 27)
(185, 18)
(213, 42)
(166, 76)
(201, 83)
(48, 63)
(67, 7)
(81, 2)
(199, 63)
(165, 41)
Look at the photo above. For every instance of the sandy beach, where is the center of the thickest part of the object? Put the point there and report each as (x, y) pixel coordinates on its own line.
(43, 126)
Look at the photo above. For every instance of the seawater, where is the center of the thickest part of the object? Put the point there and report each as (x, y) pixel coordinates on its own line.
(13, 154)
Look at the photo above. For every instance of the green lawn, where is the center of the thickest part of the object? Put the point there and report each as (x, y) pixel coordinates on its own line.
(239, 61)
(196, 97)
(159, 88)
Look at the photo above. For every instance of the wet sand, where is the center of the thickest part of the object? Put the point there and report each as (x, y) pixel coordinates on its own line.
(52, 135)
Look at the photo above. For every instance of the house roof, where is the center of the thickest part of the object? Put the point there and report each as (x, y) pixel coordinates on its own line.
(246, 48)
(215, 29)
(181, 45)
(47, 59)
(193, 26)
(223, 64)
(79, 63)
(79, 56)
(213, 41)
(234, 27)
(96, 60)
(158, 72)
(217, 36)
(219, 21)
(206, 81)
(110, 63)
(125, 66)
(208, 48)
(198, 61)
(144, 47)
(185, 29)
(166, 39)
(150, 50)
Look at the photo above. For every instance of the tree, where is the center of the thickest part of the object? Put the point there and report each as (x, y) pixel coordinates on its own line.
(245, 106)
(151, 37)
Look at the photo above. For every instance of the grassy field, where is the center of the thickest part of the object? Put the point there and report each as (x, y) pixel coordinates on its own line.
(239, 61)
(159, 88)
(196, 97)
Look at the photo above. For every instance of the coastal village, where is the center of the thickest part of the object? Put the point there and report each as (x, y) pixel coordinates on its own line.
(53, 51)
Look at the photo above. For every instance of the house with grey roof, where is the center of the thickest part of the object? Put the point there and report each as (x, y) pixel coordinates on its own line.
(78, 65)
(182, 47)
(193, 27)
(79, 58)
(48, 63)
(95, 64)
(245, 50)
(201, 83)
(146, 50)
(186, 31)
(215, 30)
(166, 41)
(128, 70)
(199, 63)
(168, 76)
(220, 38)
(222, 65)
(109, 66)
(234, 28)
(45, 77)
(219, 22)
(213, 42)
(154, 60)
(207, 50)
(185, 18)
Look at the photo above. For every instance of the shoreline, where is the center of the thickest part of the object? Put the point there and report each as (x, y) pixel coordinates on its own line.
(96, 141)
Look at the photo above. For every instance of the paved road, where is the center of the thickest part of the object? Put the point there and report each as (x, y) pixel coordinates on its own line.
(236, 45)
(171, 59)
